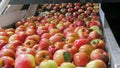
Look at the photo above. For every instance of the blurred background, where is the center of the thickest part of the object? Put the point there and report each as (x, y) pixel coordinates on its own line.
(112, 13)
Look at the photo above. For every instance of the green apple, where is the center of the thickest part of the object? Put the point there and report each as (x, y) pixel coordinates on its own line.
(96, 64)
(67, 65)
(48, 64)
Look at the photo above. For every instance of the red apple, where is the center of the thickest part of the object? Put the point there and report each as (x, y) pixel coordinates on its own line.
(81, 59)
(7, 52)
(24, 50)
(99, 54)
(79, 42)
(29, 43)
(44, 44)
(42, 55)
(71, 48)
(7, 62)
(16, 37)
(94, 35)
(4, 38)
(13, 45)
(83, 32)
(41, 30)
(36, 48)
(46, 35)
(25, 61)
(55, 38)
(2, 43)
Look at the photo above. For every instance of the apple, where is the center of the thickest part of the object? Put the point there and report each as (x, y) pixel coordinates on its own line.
(83, 32)
(44, 44)
(96, 64)
(59, 44)
(70, 9)
(67, 65)
(55, 38)
(70, 48)
(52, 49)
(63, 56)
(94, 35)
(94, 23)
(53, 31)
(68, 30)
(7, 52)
(70, 39)
(30, 31)
(41, 29)
(25, 61)
(81, 59)
(21, 28)
(42, 55)
(99, 54)
(63, 10)
(94, 28)
(36, 48)
(98, 44)
(86, 48)
(2, 43)
(7, 62)
(4, 34)
(79, 23)
(4, 38)
(16, 37)
(29, 43)
(79, 42)
(19, 23)
(48, 64)
(24, 50)
(13, 45)
(76, 7)
(46, 35)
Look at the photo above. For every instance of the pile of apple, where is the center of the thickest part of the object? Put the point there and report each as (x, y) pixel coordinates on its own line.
(67, 36)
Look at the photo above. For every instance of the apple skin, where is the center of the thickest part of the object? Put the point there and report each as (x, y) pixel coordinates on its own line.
(2, 43)
(81, 59)
(7, 62)
(25, 61)
(86, 48)
(79, 42)
(29, 43)
(42, 55)
(16, 37)
(98, 44)
(99, 54)
(94, 34)
(96, 64)
(44, 44)
(24, 50)
(7, 52)
(52, 49)
(48, 64)
(67, 65)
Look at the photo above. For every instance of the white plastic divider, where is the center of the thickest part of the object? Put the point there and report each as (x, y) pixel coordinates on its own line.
(10, 18)
(3, 5)
(13, 8)
(111, 43)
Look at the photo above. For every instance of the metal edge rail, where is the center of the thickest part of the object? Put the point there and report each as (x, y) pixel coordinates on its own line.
(112, 46)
